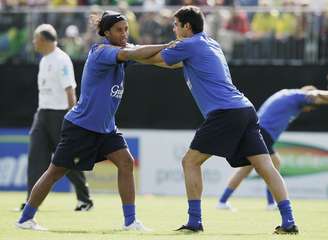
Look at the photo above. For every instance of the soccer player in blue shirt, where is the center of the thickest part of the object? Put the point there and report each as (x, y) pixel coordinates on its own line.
(230, 128)
(275, 115)
(89, 133)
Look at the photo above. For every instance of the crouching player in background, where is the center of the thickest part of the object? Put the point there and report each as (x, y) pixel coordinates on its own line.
(274, 117)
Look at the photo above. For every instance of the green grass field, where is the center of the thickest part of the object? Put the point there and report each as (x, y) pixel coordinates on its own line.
(162, 214)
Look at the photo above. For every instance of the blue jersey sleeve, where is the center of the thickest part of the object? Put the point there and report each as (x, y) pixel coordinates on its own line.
(303, 99)
(176, 54)
(107, 55)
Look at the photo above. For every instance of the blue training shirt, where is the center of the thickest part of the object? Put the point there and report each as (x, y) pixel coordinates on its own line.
(206, 73)
(280, 109)
(101, 90)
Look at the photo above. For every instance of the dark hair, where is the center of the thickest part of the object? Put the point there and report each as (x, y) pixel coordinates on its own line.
(192, 15)
(107, 20)
(47, 35)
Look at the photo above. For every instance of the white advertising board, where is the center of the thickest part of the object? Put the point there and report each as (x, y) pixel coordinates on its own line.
(305, 165)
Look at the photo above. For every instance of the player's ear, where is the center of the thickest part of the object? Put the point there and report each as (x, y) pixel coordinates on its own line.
(107, 33)
(188, 26)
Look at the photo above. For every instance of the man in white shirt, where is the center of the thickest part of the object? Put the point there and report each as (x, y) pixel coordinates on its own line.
(56, 84)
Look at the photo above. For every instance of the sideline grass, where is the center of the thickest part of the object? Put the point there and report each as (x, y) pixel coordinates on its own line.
(162, 214)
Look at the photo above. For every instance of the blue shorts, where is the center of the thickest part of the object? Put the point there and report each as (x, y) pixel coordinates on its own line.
(80, 148)
(230, 133)
(268, 140)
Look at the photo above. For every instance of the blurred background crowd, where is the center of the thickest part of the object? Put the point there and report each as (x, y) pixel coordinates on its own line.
(249, 31)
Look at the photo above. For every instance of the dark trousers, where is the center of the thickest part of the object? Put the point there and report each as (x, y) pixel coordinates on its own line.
(44, 137)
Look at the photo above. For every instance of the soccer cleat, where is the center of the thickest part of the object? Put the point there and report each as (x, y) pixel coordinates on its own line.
(84, 206)
(271, 207)
(30, 224)
(281, 230)
(192, 229)
(225, 206)
(136, 226)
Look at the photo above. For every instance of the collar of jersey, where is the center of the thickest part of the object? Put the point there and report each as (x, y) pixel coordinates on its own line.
(106, 42)
(199, 34)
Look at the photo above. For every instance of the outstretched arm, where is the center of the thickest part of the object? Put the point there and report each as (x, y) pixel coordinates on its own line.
(319, 97)
(139, 53)
(157, 60)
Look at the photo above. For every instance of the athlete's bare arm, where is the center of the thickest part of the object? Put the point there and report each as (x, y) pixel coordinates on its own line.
(319, 97)
(157, 60)
(71, 96)
(139, 53)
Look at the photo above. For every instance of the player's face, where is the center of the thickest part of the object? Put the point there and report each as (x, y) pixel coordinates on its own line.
(119, 33)
(179, 30)
(38, 42)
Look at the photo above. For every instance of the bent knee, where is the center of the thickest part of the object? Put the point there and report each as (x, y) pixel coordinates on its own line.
(276, 161)
(55, 173)
(125, 165)
(190, 162)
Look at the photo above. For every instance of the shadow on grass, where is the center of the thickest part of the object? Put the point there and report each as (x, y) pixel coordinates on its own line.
(206, 234)
(65, 231)
(245, 234)
(154, 233)
(70, 231)
(149, 234)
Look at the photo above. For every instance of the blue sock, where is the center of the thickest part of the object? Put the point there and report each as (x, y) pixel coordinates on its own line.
(28, 213)
(195, 215)
(226, 195)
(286, 214)
(129, 211)
(269, 197)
